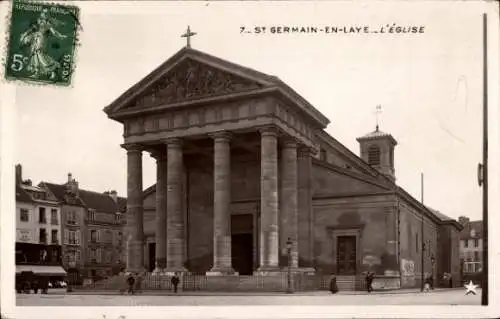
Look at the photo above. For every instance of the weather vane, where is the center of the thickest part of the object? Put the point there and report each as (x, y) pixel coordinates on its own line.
(188, 36)
(378, 111)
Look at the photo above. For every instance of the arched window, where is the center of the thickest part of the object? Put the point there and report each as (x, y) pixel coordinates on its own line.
(374, 155)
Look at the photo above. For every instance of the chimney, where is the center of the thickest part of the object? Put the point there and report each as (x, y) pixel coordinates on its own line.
(463, 220)
(19, 174)
(70, 178)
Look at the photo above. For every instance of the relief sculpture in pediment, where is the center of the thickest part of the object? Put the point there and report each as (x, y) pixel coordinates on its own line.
(191, 80)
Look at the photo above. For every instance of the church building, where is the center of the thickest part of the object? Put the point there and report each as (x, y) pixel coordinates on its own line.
(250, 183)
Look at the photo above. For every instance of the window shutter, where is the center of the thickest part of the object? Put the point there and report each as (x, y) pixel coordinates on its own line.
(77, 237)
(66, 234)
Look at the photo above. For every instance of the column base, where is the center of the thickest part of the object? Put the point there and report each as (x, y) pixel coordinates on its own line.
(159, 271)
(219, 271)
(268, 271)
(172, 271)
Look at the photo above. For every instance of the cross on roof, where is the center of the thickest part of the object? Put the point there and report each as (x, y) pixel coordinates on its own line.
(378, 111)
(188, 36)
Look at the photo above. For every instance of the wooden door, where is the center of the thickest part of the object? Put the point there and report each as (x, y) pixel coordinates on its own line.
(346, 255)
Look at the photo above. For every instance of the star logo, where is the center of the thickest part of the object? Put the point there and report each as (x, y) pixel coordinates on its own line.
(471, 288)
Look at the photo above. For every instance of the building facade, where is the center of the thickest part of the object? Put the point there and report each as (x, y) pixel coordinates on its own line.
(92, 226)
(245, 166)
(38, 230)
(471, 245)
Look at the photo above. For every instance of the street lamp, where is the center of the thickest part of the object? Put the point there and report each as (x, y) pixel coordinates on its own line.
(433, 262)
(289, 287)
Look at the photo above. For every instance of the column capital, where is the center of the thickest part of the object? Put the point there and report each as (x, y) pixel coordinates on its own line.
(305, 151)
(268, 131)
(173, 142)
(221, 136)
(132, 147)
(289, 142)
(159, 155)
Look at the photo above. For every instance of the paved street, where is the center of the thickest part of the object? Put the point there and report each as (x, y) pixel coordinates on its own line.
(448, 297)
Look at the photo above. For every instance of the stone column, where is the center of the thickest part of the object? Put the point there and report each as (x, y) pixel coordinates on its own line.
(135, 221)
(305, 214)
(222, 202)
(269, 201)
(175, 218)
(288, 209)
(161, 211)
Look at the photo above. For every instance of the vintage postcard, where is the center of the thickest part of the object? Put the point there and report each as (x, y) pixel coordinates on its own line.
(249, 159)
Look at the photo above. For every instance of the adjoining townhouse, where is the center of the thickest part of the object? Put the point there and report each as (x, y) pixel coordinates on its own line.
(471, 245)
(38, 230)
(92, 228)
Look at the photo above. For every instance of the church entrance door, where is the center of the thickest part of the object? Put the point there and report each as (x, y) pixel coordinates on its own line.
(242, 243)
(346, 255)
(152, 256)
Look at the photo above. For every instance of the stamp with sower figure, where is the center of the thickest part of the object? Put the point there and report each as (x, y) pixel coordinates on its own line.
(42, 39)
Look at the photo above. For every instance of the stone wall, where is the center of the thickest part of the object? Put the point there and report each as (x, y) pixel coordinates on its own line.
(411, 245)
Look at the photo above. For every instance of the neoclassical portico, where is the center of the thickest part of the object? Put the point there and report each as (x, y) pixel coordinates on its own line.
(275, 209)
(198, 110)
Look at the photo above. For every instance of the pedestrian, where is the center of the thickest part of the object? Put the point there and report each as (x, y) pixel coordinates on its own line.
(369, 281)
(333, 285)
(138, 281)
(427, 284)
(450, 278)
(175, 281)
(131, 281)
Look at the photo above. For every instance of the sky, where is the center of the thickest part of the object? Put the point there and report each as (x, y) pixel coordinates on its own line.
(428, 84)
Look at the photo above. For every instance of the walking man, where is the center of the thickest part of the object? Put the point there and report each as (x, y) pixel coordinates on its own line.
(175, 281)
(131, 281)
(369, 281)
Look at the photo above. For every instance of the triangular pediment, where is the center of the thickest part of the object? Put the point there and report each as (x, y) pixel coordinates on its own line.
(194, 76)
(189, 75)
(192, 80)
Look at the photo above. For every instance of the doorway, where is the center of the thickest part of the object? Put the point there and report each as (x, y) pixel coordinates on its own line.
(152, 256)
(242, 243)
(346, 255)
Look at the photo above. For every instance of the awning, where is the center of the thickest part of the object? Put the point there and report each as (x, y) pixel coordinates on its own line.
(41, 270)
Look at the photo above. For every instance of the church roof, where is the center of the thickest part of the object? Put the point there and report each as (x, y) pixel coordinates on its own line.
(265, 84)
(377, 134)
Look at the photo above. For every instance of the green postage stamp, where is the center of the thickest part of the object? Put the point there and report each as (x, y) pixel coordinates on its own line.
(42, 39)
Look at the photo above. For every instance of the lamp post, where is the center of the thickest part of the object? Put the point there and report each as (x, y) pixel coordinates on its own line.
(289, 287)
(433, 262)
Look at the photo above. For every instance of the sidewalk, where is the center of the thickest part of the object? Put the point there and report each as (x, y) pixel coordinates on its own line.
(220, 293)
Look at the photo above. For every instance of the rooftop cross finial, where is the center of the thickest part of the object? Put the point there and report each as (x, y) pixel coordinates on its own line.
(378, 111)
(188, 36)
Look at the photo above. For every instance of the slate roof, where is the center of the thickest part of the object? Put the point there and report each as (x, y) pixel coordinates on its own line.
(22, 195)
(99, 201)
(476, 225)
(376, 135)
(59, 191)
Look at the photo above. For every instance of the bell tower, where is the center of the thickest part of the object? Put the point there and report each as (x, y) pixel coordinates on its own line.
(377, 149)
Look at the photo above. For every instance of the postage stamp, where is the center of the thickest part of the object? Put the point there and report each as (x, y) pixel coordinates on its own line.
(42, 39)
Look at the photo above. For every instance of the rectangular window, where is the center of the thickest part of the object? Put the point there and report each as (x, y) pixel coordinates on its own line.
(42, 219)
(53, 217)
(476, 242)
(93, 255)
(91, 214)
(43, 236)
(476, 256)
(466, 243)
(54, 236)
(74, 237)
(93, 236)
(25, 216)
